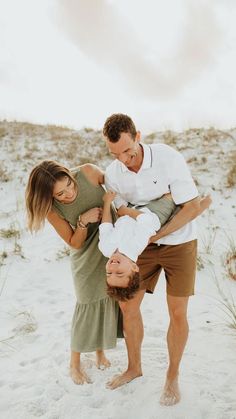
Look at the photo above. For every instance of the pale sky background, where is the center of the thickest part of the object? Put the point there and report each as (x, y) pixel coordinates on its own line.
(168, 64)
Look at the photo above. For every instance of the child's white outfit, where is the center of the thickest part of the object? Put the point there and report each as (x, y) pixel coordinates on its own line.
(130, 236)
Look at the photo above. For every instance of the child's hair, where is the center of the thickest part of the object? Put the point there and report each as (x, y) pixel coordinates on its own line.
(39, 191)
(125, 294)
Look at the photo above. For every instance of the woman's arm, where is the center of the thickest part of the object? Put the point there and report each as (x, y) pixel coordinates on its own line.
(74, 238)
(94, 174)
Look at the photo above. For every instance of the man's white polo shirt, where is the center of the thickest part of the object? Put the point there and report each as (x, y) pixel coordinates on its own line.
(163, 170)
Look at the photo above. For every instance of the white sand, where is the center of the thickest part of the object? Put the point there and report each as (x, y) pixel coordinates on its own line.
(37, 302)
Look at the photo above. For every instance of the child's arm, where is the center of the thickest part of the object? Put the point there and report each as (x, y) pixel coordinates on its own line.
(107, 243)
(132, 212)
(107, 199)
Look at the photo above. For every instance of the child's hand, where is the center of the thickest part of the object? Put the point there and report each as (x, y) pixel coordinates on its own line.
(108, 197)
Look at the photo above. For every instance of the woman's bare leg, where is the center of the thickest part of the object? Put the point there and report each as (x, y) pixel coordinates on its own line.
(76, 372)
(101, 360)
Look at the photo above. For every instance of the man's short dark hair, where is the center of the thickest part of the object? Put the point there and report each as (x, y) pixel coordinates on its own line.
(127, 293)
(116, 124)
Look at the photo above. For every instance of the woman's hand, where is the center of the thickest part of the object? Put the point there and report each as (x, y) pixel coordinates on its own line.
(93, 215)
(108, 197)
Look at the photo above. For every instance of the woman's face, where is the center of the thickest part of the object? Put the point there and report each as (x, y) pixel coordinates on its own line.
(64, 190)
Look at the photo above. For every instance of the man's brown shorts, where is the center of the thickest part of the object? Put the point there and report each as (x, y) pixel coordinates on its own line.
(179, 263)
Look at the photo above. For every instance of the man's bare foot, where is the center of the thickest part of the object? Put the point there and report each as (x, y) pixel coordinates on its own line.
(101, 360)
(121, 379)
(171, 393)
(79, 376)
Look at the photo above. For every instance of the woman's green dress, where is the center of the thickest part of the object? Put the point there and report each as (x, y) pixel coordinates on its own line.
(96, 316)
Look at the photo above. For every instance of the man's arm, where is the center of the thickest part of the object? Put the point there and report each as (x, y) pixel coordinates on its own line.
(188, 212)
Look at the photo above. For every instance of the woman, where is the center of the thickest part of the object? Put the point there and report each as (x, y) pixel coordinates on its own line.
(72, 202)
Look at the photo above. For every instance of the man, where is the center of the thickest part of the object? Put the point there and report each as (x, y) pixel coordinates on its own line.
(141, 173)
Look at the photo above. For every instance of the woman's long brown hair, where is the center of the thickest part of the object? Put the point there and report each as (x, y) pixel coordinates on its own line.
(39, 191)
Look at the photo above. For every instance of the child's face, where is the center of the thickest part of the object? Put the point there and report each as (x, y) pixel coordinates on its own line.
(118, 270)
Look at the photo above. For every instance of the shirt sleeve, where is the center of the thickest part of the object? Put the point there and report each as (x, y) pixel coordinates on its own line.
(106, 242)
(111, 186)
(182, 186)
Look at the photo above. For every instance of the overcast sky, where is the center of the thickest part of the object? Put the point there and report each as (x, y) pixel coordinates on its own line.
(168, 64)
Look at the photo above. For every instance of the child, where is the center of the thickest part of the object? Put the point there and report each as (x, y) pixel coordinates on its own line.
(124, 241)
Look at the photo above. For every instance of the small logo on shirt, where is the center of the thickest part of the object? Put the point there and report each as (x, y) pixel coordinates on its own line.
(155, 181)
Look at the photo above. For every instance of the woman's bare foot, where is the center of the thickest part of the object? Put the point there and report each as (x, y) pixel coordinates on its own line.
(121, 379)
(79, 376)
(76, 372)
(171, 393)
(101, 360)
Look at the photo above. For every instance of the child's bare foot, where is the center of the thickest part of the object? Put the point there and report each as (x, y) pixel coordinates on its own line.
(101, 360)
(79, 376)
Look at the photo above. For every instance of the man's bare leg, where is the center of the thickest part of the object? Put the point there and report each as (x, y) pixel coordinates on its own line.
(133, 332)
(76, 372)
(101, 360)
(176, 340)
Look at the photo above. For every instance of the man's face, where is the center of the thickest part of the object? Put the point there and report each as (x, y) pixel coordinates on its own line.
(118, 270)
(126, 149)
